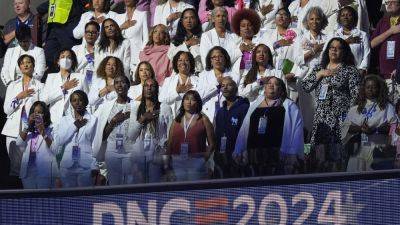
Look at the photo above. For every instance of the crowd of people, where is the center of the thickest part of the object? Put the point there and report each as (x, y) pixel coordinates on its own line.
(187, 90)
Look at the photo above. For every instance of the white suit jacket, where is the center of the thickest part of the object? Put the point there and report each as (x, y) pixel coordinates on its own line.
(137, 131)
(123, 52)
(13, 111)
(103, 112)
(46, 162)
(210, 39)
(138, 35)
(168, 92)
(79, 30)
(54, 96)
(11, 71)
(209, 92)
(68, 135)
(94, 100)
(163, 11)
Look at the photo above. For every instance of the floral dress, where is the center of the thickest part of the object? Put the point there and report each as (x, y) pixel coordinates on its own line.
(332, 107)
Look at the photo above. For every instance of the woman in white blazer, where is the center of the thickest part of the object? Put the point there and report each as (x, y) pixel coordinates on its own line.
(102, 89)
(267, 10)
(112, 143)
(134, 26)
(39, 167)
(281, 41)
(59, 86)
(76, 135)
(143, 72)
(112, 43)
(99, 12)
(245, 24)
(20, 96)
(218, 66)
(151, 132)
(85, 54)
(251, 85)
(180, 82)
(308, 49)
(271, 137)
(187, 37)
(219, 35)
(10, 71)
(168, 13)
(356, 38)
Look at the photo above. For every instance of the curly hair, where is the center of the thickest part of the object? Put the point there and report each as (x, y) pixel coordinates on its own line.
(249, 15)
(192, 63)
(101, 70)
(181, 32)
(137, 77)
(347, 56)
(82, 95)
(251, 76)
(382, 97)
(151, 33)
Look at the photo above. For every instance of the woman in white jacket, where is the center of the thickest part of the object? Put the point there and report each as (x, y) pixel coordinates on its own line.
(281, 41)
(252, 83)
(99, 12)
(112, 43)
(168, 13)
(180, 82)
(151, 132)
(102, 89)
(76, 135)
(134, 26)
(219, 35)
(112, 143)
(308, 48)
(356, 38)
(271, 137)
(38, 166)
(20, 96)
(59, 86)
(218, 66)
(143, 72)
(187, 37)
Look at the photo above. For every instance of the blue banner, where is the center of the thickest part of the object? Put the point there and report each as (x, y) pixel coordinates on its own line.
(351, 202)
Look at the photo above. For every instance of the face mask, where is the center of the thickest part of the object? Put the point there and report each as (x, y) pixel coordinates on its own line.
(65, 63)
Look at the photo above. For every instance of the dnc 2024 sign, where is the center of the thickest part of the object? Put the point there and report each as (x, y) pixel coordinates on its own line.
(353, 202)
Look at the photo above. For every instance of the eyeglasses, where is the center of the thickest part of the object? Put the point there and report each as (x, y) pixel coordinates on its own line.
(91, 32)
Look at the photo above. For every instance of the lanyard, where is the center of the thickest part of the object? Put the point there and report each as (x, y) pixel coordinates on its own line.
(368, 113)
(34, 142)
(187, 126)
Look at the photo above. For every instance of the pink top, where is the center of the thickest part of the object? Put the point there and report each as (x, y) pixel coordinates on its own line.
(157, 57)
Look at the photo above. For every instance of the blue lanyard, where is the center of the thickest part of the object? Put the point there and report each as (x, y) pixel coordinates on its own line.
(368, 114)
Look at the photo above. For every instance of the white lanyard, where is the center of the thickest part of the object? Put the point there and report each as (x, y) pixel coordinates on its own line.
(186, 126)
